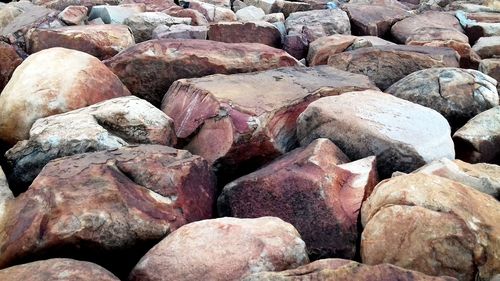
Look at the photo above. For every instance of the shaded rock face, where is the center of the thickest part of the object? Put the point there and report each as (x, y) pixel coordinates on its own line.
(149, 68)
(311, 189)
(101, 41)
(404, 136)
(373, 19)
(10, 60)
(458, 94)
(143, 24)
(479, 139)
(251, 32)
(385, 65)
(114, 14)
(69, 80)
(107, 125)
(483, 177)
(107, 207)
(491, 67)
(344, 270)
(57, 270)
(464, 242)
(238, 122)
(194, 251)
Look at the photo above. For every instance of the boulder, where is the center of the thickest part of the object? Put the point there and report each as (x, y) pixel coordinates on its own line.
(274, 17)
(9, 12)
(373, 19)
(152, 5)
(250, 13)
(101, 41)
(57, 270)
(321, 49)
(318, 23)
(479, 139)
(247, 32)
(311, 189)
(290, 7)
(62, 4)
(385, 65)
(268, 6)
(491, 67)
(69, 80)
(223, 249)
(143, 24)
(149, 68)
(5, 192)
(115, 14)
(229, 121)
(212, 12)
(344, 270)
(73, 15)
(107, 125)
(448, 228)
(458, 94)
(180, 31)
(404, 136)
(487, 47)
(107, 207)
(196, 17)
(10, 61)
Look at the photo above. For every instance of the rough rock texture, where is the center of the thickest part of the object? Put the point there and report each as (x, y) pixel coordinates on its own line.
(10, 60)
(483, 177)
(479, 139)
(101, 41)
(344, 270)
(487, 47)
(465, 236)
(180, 31)
(386, 65)
(62, 4)
(458, 94)
(149, 68)
(250, 13)
(5, 192)
(310, 189)
(57, 270)
(69, 80)
(373, 19)
(321, 49)
(194, 251)
(491, 67)
(73, 15)
(115, 14)
(211, 12)
(244, 120)
(107, 207)
(196, 17)
(152, 5)
(404, 136)
(251, 32)
(107, 125)
(143, 24)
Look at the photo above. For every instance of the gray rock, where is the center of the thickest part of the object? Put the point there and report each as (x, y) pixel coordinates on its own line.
(250, 13)
(143, 24)
(487, 47)
(113, 14)
(180, 31)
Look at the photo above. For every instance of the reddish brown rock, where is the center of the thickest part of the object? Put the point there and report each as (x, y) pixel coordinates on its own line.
(196, 17)
(344, 270)
(107, 207)
(433, 225)
(241, 121)
(386, 65)
(248, 32)
(223, 249)
(318, 23)
(148, 69)
(152, 5)
(311, 189)
(212, 12)
(73, 15)
(491, 67)
(62, 4)
(57, 270)
(102, 41)
(10, 61)
(373, 19)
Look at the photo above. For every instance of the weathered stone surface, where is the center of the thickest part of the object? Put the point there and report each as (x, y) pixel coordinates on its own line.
(10, 61)
(149, 68)
(101, 41)
(491, 67)
(195, 252)
(62, 4)
(8, 12)
(196, 17)
(479, 139)
(373, 19)
(290, 7)
(449, 228)
(386, 65)
(274, 17)
(247, 32)
(115, 14)
(73, 15)
(212, 12)
(483, 177)
(458, 94)
(153, 5)
(404, 136)
(231, 123)
(5, 192)
(310, 189)
(320, 22)
(487, 47)
(143, 24)
(477, 30)
(107, 207)
(107, 125)
(321, 49)
(402, 4)
(250, 13)
(344, 270)
(268, 6)
(180, 31)
(68, 80)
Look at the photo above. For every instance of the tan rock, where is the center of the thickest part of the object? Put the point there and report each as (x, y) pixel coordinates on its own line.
(321, 49)
(152, 5)
(143, 24)
(212, 12)
(73, 15)
(491, 67)
(487, 47)
(196, 17)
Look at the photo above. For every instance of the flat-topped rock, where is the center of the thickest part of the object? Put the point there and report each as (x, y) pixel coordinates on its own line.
(143, 24)
(247, 32)
(373, 19)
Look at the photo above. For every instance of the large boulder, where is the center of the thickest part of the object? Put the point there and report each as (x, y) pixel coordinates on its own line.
(240, 121)
(143, 24)
(373, 20)
(10, 60)
(433, 225)
(479, 139)
(68, 80)
(386, 65)
(107, 125)
(223, 249)
(313, 189)
(107, 207)
(403, 135)
(344, 270)
(102, 41)
(251, 32)
(458, 94)
(57, 270)
(149, 68)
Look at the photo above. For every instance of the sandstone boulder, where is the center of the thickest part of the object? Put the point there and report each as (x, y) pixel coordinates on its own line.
(321, 49)
(223, 249)
(373, 19)
(404, 136)
(196, 17)
(149, 68)
(10, 61)
(491, 67)
(433, 225)
(73, 15)
(250, 13)
(115, 14)
(180, 31)
(152, 5)
(247, 32)
(62, 4)
(68, 80)
(143, 24)
(212, 12)
(487, 47)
